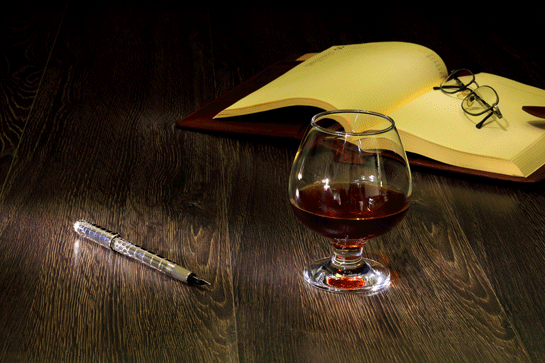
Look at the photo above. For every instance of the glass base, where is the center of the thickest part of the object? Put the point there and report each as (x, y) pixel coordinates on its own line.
(369, 279)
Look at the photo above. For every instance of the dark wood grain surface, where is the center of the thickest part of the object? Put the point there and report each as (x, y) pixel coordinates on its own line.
(89, 99)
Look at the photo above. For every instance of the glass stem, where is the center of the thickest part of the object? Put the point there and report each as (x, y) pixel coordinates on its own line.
(347, 256)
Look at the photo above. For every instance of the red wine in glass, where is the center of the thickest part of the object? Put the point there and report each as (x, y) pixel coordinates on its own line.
(349, 211)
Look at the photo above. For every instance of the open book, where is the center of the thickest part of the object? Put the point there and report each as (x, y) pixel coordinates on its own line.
(397, 79)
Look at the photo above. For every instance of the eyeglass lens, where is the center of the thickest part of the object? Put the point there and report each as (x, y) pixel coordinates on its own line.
(480, 101)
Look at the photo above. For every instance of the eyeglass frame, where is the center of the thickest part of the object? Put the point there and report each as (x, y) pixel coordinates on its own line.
(493, 110)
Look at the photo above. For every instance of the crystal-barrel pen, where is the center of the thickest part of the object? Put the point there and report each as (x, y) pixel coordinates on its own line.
(113, 241)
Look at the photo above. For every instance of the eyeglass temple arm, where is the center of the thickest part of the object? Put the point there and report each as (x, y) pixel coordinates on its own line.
(493, 110)
(480, 124)
(460, 88)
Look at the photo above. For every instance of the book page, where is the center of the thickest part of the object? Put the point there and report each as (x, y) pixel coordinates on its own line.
(440, 121)
(377, 77)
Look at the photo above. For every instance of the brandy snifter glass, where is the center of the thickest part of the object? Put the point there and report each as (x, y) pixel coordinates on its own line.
(350, 182)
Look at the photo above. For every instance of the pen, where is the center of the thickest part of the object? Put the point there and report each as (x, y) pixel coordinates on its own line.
(113, 241)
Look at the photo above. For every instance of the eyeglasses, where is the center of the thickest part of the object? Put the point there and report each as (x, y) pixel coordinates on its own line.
(479, 101)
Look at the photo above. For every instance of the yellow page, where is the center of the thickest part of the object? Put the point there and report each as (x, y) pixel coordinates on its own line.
(372, 76)
(440, 121)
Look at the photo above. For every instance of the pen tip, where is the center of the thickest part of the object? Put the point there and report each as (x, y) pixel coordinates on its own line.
(197, 280)
(201, 282)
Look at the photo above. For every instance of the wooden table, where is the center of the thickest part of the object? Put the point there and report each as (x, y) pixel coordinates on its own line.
(90, 96)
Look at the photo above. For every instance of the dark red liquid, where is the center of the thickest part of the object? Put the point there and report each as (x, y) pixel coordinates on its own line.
(349, 211)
